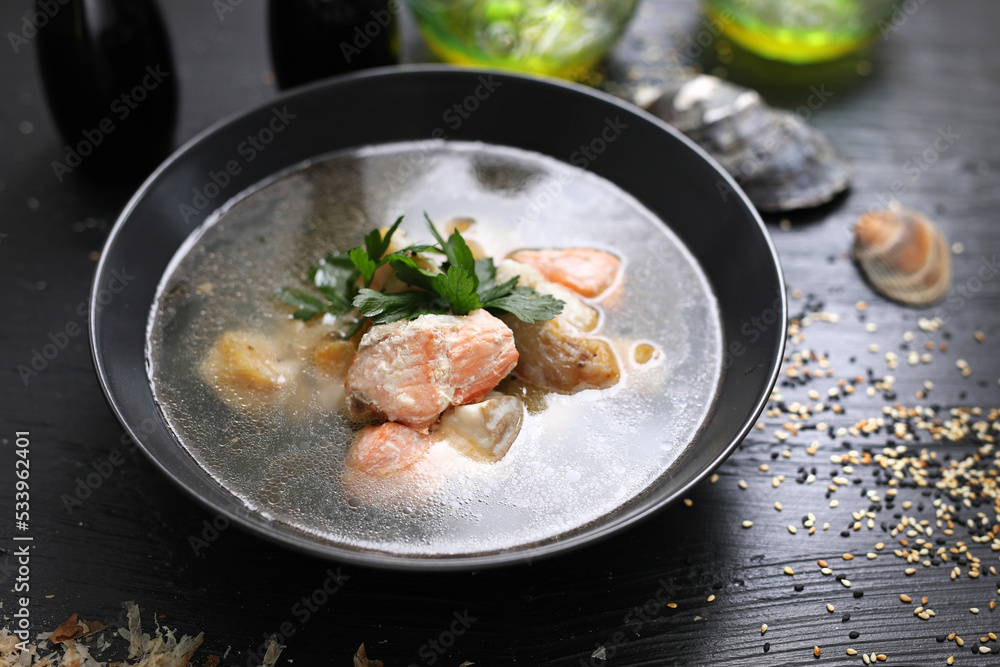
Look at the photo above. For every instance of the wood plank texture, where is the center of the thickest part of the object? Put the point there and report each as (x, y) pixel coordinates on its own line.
(130, 539)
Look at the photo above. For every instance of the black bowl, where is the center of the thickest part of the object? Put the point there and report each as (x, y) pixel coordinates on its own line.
(650, 161)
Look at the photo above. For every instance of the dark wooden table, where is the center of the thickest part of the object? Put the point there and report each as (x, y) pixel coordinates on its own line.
(132, 537)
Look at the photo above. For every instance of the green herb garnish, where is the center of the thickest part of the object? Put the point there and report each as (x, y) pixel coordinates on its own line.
(462, 285)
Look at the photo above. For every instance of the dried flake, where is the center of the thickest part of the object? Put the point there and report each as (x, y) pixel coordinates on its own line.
(360, 658)
(68, 630)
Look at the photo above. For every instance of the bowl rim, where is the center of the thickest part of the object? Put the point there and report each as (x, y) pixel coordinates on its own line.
(560, 543)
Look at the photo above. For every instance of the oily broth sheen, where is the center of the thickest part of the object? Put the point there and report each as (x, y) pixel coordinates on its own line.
(581, 457)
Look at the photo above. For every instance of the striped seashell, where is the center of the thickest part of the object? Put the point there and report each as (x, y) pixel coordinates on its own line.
(904, 255)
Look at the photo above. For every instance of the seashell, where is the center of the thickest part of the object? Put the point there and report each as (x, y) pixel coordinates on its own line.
(780, 162)
(904, 255)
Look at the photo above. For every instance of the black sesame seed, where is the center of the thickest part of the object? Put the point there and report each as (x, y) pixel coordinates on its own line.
(853, 634)
(767, 646)
(845, 618)
(940, 638)
(799, 587)
(858, 594)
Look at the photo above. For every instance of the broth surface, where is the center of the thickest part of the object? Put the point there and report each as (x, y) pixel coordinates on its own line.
(577, 459)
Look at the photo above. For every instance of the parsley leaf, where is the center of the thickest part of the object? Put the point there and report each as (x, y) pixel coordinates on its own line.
(456, 250)
(458, 288)
(308, 305)
(462, 284)
(335, 276)
(486, 272)
(494, 291)
(385, 308)
(526, 304)
(363, 262)
(408, 271)
(376, 244)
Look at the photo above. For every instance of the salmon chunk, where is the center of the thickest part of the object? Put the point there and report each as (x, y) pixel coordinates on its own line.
(586, 271)
(384, 449)
(557, 354)
(412, 371)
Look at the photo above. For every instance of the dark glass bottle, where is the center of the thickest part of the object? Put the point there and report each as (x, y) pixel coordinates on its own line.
(314, 39)
(110, 82)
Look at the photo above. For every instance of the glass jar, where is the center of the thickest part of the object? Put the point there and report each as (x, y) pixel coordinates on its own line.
(800, 31)
(557, 37)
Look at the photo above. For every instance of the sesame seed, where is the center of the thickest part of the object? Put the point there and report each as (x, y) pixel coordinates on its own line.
(822, 563)
(816, 651)
(792, 529)
(909, 571)
(959, 641)
(974, 610)
(778, 506)
(851, 651)
(853, 634)
(866, 659)
(905, 598)
(688, 502)
(714, 478)
(672, 605)
(747, 524)
(881, 657)
(711, 598)
(763, 628)
(846, 583)
(984, 649)
(742, 484)
(789, 570)
(848, 556)
(951, 660)
(767, 646)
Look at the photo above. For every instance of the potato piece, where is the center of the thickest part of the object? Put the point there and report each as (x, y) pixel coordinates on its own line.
(483, 431)
(556, 354)
(245, 360)
(333, 357)
(246, 372)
